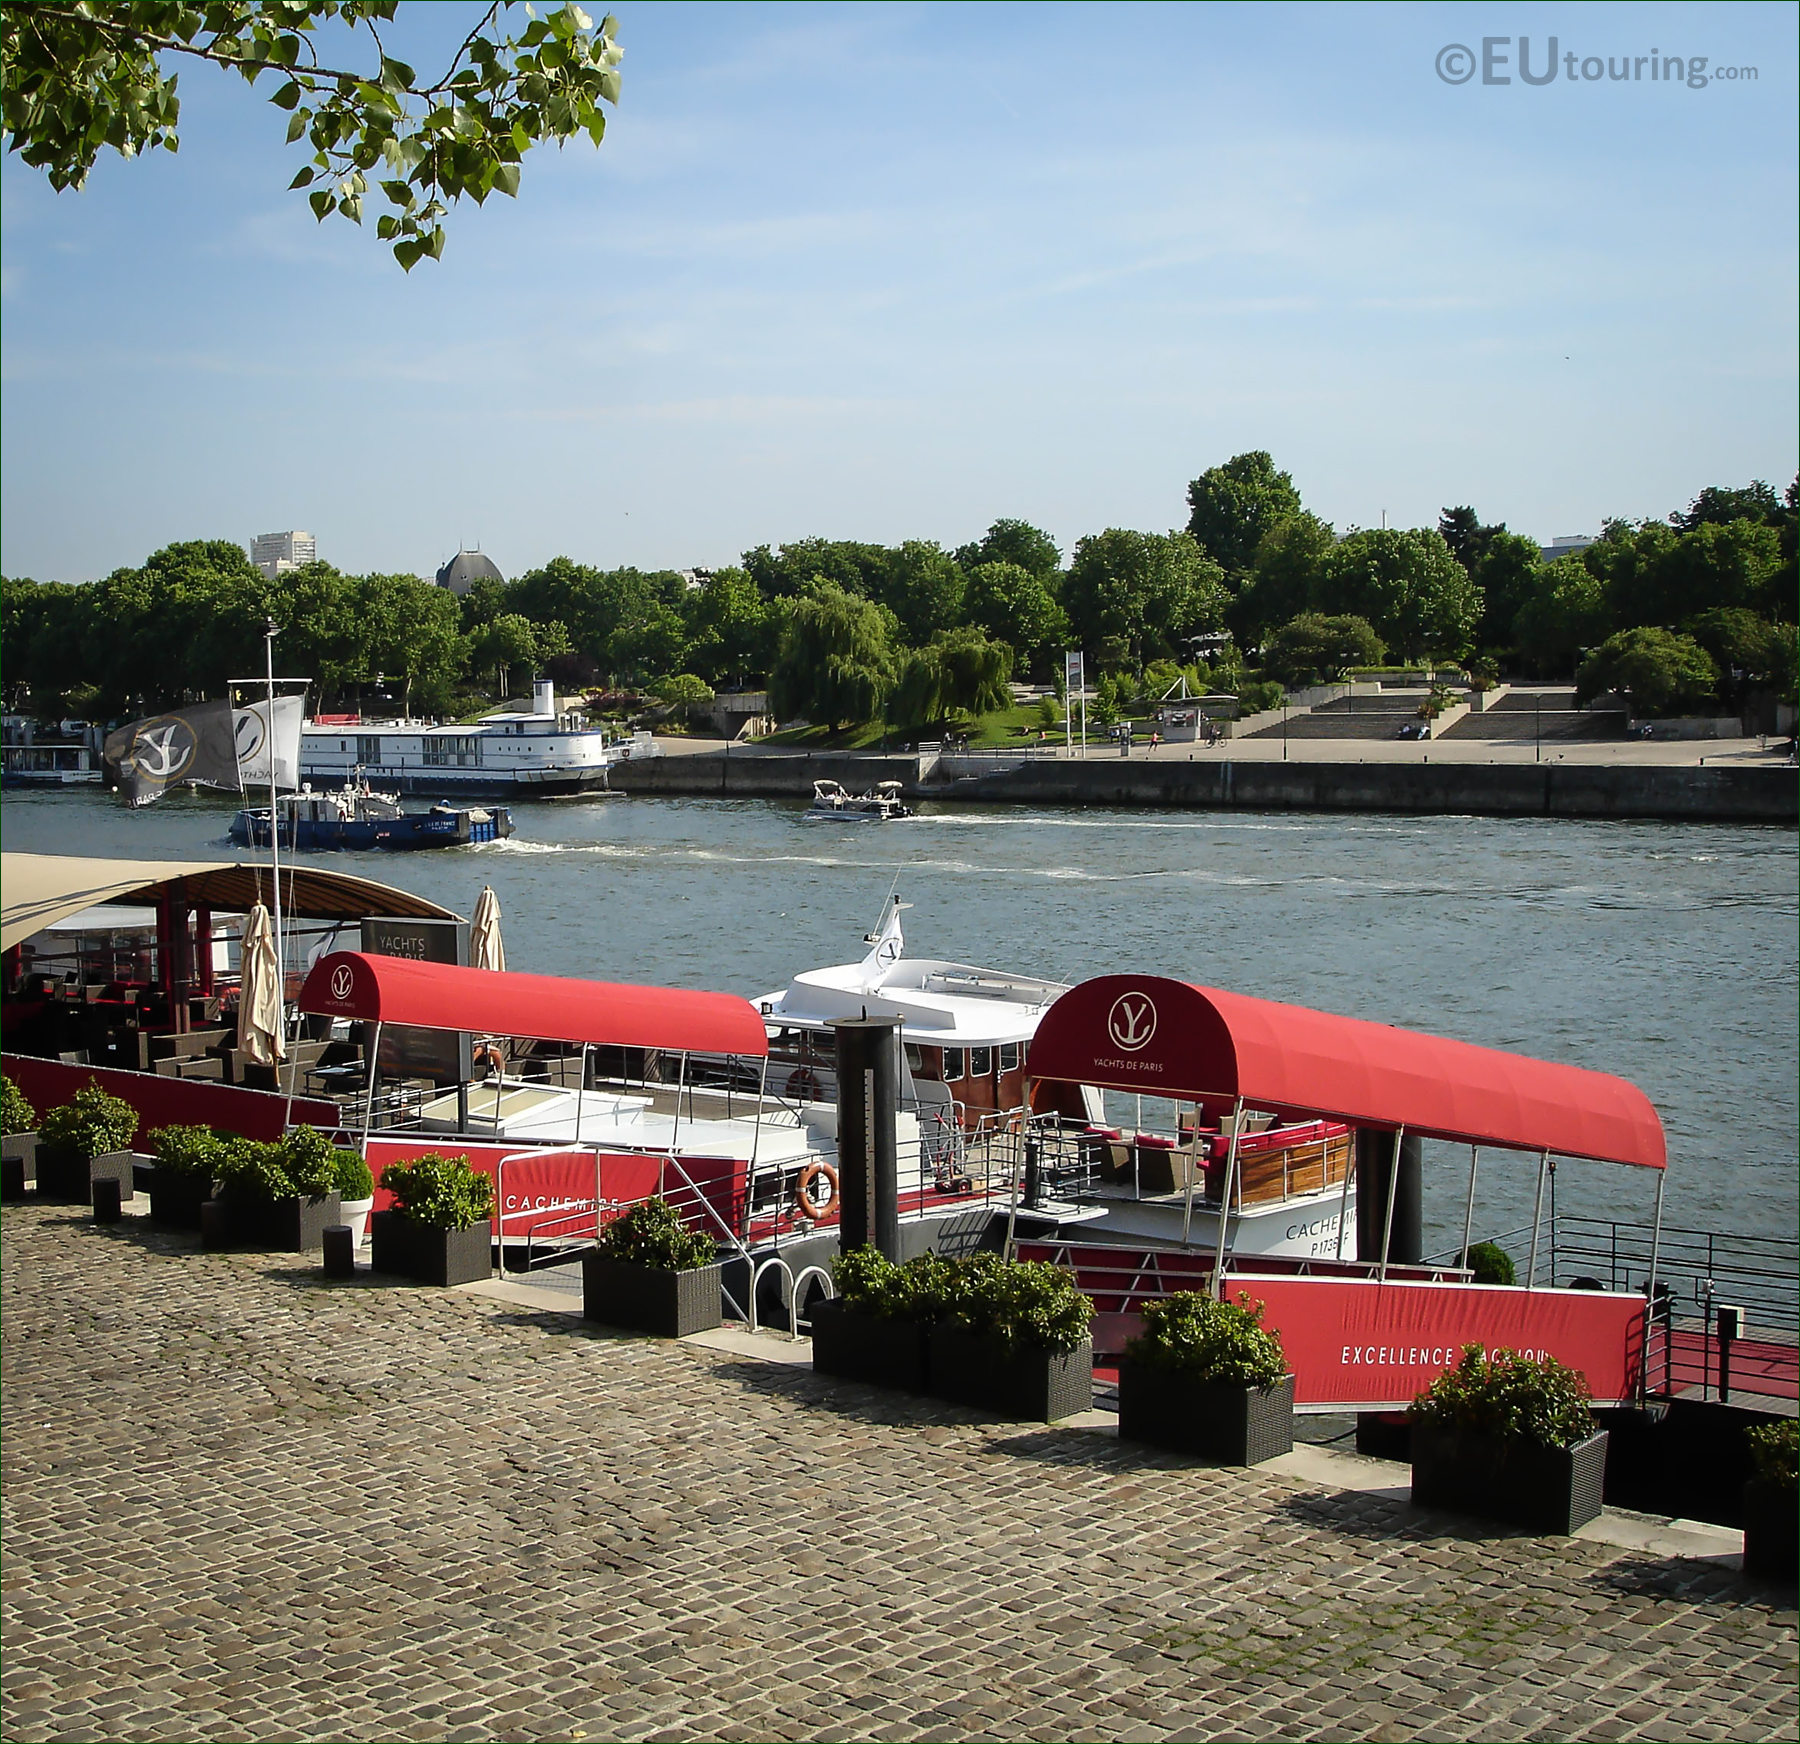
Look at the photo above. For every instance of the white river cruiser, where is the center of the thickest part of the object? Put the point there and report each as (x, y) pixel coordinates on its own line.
(540, 754)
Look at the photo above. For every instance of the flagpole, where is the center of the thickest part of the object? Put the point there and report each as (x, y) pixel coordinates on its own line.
(269, 634)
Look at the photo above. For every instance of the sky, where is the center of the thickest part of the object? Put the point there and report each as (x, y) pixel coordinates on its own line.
(893, 271)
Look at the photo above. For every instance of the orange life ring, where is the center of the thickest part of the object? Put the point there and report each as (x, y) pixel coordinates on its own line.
(803, 1084)
(805, 1203)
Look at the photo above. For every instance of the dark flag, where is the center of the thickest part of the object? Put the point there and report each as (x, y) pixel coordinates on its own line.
(195, 745)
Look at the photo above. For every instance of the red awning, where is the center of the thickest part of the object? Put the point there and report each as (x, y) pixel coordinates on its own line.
(543, 1007)
(1167, 1038)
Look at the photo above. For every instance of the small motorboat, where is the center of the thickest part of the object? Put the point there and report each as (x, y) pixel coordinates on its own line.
(833, 803)
(356, 816)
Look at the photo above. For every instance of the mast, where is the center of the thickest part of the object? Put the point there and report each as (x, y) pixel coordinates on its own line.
(269, 634)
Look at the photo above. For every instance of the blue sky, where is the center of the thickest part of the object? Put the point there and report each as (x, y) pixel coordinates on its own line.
(893, 271)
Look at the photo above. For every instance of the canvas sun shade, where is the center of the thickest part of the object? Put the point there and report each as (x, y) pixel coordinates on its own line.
(1158, 1037)
(375, 989)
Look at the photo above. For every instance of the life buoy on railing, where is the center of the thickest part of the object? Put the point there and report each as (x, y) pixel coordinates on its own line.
(803, 1084)
(489, 1061)
(805, 1202)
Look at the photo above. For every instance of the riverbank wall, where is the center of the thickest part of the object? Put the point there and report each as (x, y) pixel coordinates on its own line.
(1722, 793)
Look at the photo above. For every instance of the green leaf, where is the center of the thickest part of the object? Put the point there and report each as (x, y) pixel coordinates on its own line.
(296, 125)
(506, 179)
(397, 75)
(303, 179)
(287, 97)
(322, 203)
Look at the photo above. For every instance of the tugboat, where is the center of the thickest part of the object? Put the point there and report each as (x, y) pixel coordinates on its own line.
(355, 816)
(835, 804)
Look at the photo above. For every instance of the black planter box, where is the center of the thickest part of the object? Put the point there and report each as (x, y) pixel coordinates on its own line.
(18, 1163)
(62, 1176)
(176, 1196)
(884, 1352)
(1543, 1489)
(1771, 1530)
(640, 1299)
(972, 1368)
(1216, 1420)
(448, 1256)
(390, 1243)
(282, 1225)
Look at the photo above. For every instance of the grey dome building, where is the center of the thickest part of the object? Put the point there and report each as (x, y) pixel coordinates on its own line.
(465, 569)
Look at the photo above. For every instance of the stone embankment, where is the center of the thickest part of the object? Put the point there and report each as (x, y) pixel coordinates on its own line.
(1724, 792)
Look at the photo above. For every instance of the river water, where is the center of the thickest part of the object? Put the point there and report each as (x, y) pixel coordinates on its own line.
(1662, 952)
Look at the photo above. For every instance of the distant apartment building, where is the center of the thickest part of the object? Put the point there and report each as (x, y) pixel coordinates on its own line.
(1565, 545)
(276, 553)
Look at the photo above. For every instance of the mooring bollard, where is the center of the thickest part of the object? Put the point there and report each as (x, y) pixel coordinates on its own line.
(340, 1251)
(106, 1200)
(12, 1179)
(212, 1223)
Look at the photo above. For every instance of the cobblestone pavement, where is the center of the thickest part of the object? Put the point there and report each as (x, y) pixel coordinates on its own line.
(241, 1503)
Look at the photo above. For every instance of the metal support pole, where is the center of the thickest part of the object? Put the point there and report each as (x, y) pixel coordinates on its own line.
(1537, 1218)
(581, 1095)
(1393, 1193)
(275, 841)
(369, 1096)
(1237, 1127)
(1655, 1238)
(1344, 1197)
(1469, 1210)
(762, 1086)
(680, 1085)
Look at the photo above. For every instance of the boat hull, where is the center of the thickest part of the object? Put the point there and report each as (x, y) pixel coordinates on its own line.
(454, 829)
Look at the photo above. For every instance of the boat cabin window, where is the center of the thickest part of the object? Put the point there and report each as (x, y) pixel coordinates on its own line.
(915, 1058)
(981, 1062)
(368, 748)
(1009, 1056)
(953, 1064)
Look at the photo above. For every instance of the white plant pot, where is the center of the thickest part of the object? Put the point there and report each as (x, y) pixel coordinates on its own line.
(355, 1212)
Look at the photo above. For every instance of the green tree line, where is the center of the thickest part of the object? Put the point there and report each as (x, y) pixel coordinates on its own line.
(1695, 609)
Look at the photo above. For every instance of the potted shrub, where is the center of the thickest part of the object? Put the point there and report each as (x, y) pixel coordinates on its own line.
(1489, 1263)
(436, 1231)
(18, 1140)
(84, 1141)
(651, 1273)
(189, 1161)
(1771, 1530)
(1511, 1438)
(1207, 1378)
(280, 1195)
(355, 1191)
(878, 1326)
(1014, 1339)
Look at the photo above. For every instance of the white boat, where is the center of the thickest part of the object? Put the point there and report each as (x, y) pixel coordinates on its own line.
(1157, 1178)
(832, 803)
(506, 754)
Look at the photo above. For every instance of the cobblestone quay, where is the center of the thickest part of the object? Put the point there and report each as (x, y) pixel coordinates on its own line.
(243, 1504)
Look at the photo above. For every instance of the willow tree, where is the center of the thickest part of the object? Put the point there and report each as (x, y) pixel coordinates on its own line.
(835, 665)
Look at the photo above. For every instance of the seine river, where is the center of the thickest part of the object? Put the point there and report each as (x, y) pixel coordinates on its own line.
(1662, 952)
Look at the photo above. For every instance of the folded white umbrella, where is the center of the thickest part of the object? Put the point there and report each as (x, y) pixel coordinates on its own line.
(259, 1000)
(485, 949)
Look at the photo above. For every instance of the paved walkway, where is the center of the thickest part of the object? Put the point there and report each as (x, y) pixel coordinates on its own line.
(241, 1503)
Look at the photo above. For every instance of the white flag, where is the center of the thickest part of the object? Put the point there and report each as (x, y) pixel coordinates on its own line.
(255, 741)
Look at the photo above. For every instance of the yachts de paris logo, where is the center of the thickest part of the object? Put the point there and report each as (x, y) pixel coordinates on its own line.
(1131, 1022)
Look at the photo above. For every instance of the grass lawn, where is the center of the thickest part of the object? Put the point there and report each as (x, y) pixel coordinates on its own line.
(1005, 727)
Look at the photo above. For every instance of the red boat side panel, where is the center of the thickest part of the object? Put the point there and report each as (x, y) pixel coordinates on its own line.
(1158, 1037)
(163, 1101)
(544, 1007)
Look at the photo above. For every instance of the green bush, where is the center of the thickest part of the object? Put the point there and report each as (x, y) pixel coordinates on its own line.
(89, 1126)
(1774, 1448)
(440, 1192)
(1489, 1263)
(652, 1234)
(354, 1181)
(297, 1166)
(918, 1290)
(1509, 1397)
(16, 1114)
(1026, 1304)
(187, 1150)
(1211, 1341)
(1259, 694)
